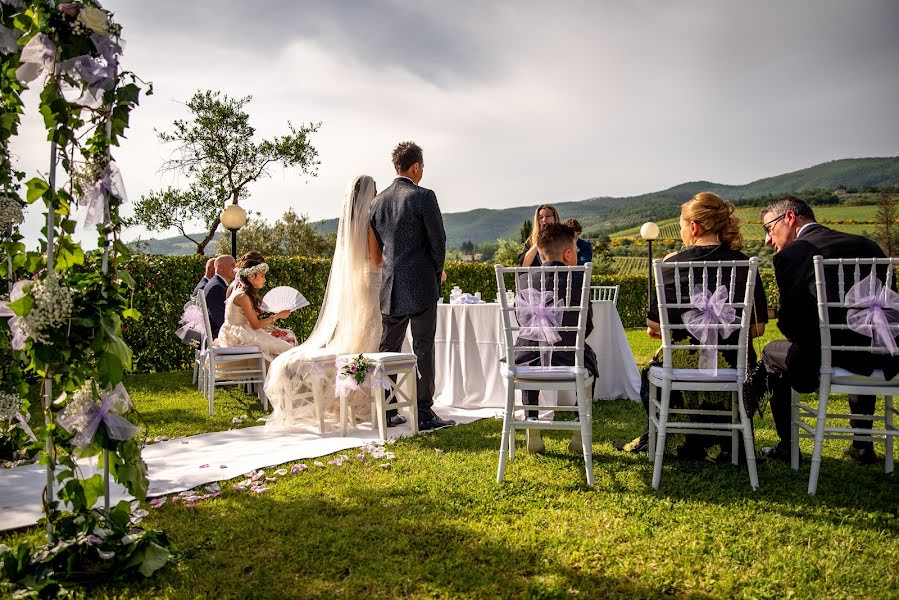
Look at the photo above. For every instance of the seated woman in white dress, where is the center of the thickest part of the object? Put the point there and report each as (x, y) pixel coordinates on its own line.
(242, 326)
(349, 321)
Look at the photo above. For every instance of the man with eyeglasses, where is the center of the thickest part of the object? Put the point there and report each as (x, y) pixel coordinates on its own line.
(791, 229)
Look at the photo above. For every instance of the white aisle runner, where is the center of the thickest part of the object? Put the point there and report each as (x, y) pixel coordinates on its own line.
(185, 463)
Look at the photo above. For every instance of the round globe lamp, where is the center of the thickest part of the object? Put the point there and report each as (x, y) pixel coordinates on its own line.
(649, 232)
(233, 218)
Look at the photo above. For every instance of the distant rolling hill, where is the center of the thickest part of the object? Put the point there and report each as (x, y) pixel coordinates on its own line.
(603, 215)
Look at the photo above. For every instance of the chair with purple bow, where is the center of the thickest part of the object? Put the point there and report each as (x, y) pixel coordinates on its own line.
(857, 295)
(548, 317)
(707, 305)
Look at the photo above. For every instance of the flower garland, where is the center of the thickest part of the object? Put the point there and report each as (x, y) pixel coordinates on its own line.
(250, 271)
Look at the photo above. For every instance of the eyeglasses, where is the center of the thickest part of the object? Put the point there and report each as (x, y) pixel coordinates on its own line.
(768, 227)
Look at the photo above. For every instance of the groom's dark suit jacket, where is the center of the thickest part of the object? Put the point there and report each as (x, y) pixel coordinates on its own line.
(215, 302)
(408, 227)
(798, 313)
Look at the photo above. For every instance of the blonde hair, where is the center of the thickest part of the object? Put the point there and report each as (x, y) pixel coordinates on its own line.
(535, 231)
(714, 215)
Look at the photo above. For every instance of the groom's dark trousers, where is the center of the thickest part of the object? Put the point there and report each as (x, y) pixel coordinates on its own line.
(424, 326)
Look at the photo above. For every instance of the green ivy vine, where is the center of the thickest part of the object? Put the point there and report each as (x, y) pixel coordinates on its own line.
(67, 330)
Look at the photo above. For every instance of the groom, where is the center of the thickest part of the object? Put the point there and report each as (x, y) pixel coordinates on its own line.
(409, 231)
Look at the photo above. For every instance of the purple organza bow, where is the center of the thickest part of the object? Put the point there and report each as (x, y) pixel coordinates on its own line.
(37, 58)
(9, 39)
(191, 320)
(873, 308)
(538, 314)
(87, 420)
(99, 75)
(703, 322)
(94, 199)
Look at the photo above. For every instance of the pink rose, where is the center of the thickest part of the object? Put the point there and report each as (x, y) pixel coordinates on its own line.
(69, 9)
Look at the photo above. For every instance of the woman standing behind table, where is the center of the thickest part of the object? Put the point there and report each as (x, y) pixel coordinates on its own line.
(710, 231)
(545, 214)
(242, 326)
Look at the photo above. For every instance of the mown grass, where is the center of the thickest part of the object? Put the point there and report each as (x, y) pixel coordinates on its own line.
(439, 526)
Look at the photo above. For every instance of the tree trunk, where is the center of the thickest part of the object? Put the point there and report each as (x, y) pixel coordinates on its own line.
(201, 245)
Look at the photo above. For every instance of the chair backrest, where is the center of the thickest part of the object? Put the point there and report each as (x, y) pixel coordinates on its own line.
(200, 299)
(675, 283)
(604, 293)
(549, 285)
(843, 284)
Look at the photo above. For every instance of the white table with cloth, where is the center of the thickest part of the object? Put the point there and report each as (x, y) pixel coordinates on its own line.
(469, 343)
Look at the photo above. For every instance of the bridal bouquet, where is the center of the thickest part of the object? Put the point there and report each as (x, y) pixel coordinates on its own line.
(357, 369)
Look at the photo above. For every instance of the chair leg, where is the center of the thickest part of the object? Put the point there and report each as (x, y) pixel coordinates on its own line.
(823, 396)
(261, 387)
(412, 386)
(210, 385)
(651, 442)
(585, 405)
(735, 417)
(888, 426)
(381, 410)
(317, 387)
(660, 438)
(343, 415)
(507, 426)
(748, 443)
(795, 397)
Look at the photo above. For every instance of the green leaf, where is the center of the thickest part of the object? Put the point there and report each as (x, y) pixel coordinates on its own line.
(93, 489)
(126, 277)
(111, 368)
(22, 306)
(131, 313)
(36, 188)
(155, 557)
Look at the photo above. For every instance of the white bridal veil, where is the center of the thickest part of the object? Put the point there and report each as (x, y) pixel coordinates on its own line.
(349, 320)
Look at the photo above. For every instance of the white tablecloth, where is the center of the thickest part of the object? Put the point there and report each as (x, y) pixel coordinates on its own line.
(469, 343)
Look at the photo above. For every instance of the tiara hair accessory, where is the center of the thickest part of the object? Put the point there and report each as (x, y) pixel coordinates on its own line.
(248, 271)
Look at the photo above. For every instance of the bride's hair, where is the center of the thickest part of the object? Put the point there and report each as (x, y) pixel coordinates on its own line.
(250, 259)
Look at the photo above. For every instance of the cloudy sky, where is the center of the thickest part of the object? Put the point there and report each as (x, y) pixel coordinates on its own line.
(517, 103)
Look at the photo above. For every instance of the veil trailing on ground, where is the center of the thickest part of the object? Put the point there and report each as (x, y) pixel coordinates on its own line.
(349, 320)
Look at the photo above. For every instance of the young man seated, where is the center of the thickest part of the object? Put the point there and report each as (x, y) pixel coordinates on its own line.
(556, 244)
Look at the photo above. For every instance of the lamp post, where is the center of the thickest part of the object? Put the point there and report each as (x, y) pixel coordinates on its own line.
(233, 218)
(649, 231)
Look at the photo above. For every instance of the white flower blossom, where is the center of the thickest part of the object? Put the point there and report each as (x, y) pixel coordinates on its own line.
(10, 212)
(95, 19)
(10, 405)
(53, 305)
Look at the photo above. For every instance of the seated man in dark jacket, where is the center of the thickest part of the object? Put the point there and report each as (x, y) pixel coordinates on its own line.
(556, 243)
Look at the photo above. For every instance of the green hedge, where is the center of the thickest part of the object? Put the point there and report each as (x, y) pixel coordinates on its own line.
(164, 284)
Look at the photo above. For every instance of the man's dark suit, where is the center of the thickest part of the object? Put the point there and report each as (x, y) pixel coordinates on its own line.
(796, 362)
(409, 230)
(569, 319)
(215, 302)
(200, 286)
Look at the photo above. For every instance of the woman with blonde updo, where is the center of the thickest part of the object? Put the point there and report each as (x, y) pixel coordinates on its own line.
(243, 325)
(710, 230)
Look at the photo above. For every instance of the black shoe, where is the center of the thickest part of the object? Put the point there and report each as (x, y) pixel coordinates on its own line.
(691, 452)
(434, 422)
(779, 452)
(635, 446)
(863, 456)
(396, 420)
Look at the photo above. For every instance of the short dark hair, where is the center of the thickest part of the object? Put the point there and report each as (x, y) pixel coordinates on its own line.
(405, 155)
(780, 206)
(574, 224)
(554, 239)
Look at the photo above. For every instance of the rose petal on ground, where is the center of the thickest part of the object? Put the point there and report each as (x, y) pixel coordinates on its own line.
(385, 465)
(157, 502)
(438, 451)
(319, 463)
(204, 466)
(280, 472)
(298, 469)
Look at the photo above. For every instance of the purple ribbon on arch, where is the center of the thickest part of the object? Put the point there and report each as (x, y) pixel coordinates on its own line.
(15, 323)
(539, 313)
(712, 318)
(873, 308)
(95, 198)
(37, 58)
(87, 420)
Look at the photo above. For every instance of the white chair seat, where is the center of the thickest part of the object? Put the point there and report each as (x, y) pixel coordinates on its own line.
(390, 357)
(729, 375)
(842, 376)
(554, 373)
(224, 350)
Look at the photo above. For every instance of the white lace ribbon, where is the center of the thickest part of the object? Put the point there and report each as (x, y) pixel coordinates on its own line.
(711, 318)
(87, 420)
(873, 309)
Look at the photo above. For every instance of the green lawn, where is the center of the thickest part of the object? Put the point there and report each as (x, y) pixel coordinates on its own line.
(437, 525)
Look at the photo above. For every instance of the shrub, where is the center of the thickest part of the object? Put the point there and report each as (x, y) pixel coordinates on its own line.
(164, 284)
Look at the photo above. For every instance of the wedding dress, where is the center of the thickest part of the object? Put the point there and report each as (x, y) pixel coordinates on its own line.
(349, 321)
(237, 331)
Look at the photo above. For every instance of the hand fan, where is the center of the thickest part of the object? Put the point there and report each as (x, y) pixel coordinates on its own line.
(283, 297)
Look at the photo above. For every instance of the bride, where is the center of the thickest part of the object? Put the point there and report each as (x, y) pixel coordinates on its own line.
(349, 321)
